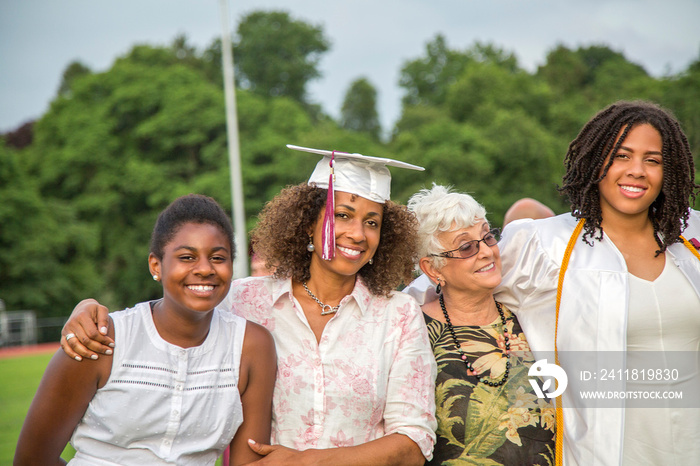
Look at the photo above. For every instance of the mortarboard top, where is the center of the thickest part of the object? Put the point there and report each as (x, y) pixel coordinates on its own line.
(358, 174)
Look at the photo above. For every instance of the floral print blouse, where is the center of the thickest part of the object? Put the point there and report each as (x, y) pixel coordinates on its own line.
(372, 373)
(479, 424)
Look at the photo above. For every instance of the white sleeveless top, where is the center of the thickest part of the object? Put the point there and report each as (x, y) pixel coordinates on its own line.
(664, 318)
(164, 404)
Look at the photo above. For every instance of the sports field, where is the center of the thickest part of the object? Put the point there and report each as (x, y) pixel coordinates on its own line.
(20, 374)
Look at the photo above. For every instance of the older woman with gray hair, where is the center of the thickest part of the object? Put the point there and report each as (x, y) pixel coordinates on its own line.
(486, 409)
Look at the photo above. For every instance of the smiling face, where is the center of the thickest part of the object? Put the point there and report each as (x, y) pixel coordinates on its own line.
(480, 273)
(358, 223)
(635, 178)
(196, 268)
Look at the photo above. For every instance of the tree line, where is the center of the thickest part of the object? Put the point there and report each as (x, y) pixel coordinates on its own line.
(81, 186)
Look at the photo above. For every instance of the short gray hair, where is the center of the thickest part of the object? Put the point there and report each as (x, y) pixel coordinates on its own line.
(439, 210)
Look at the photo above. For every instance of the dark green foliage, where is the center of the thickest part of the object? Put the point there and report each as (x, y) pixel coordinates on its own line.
(426, 79)
(74, 70)
(276, 55)
(483, 87)
(359, 112)
(682, 95)
(47, 255)
(81, 187)
(110, 154)
(598, 75)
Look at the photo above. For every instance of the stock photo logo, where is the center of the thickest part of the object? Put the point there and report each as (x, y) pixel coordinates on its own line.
(547, 372)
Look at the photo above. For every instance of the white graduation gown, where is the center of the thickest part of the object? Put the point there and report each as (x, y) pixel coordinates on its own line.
(592, 316)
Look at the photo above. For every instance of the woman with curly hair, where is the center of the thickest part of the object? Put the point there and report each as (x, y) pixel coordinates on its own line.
(355, 372)
(617, 275)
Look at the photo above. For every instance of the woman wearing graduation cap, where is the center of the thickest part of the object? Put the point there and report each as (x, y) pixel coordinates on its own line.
(354, 365)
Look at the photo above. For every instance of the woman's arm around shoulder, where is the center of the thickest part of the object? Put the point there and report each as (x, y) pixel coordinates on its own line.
(90, 324)
(256, 385)
(531, 252)
(59, 403)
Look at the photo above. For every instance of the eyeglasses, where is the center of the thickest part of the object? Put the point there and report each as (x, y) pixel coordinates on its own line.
(471, 248)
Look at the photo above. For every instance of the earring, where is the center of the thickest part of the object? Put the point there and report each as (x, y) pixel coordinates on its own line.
(310, 247)
(438, 288)
(155, 277)
(371, 261)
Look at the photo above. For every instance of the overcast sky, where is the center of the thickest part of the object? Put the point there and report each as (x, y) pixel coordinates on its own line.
(370, 38)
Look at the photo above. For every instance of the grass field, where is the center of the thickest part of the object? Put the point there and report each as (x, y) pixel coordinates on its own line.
(20, 378)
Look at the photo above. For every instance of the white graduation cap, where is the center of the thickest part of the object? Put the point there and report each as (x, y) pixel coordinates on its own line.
(357, 174)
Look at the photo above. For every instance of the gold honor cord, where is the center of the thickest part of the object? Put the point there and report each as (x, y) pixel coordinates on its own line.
(559, 424)
(691, 247)
(559, 445)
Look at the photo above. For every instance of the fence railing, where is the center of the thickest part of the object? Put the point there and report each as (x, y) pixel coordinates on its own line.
(23, 328)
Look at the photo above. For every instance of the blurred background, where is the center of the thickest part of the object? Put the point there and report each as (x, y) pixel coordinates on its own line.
(110, 110)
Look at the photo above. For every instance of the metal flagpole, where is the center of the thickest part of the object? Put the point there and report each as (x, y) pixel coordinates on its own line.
(240, 264)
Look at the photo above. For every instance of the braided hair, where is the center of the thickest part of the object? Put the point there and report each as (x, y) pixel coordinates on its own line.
(587, 163)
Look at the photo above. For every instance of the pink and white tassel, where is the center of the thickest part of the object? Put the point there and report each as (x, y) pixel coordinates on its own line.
(328, 233)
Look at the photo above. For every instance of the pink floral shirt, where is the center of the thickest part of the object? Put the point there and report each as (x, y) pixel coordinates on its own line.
(372, 374)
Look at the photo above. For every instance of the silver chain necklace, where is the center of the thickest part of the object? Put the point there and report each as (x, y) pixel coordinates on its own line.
(325, 308)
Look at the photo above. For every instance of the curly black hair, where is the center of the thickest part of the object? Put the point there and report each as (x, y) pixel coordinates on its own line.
(192, 208)
(281, 237)
(587, 155)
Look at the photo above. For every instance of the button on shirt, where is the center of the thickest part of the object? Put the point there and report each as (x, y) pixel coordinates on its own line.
(163, 404)
(372, 373)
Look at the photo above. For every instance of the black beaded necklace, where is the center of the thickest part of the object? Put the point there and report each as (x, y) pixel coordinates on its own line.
(470, 367)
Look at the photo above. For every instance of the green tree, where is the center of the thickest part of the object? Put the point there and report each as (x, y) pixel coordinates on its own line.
(81, 196)
(359, 111)
(183, 50)
(512, 157)
(426, 79)
(73, 71)
(564, 70)
(276, 55)
(210, 61)
(127, 141)
(485, 87)
(682, 95)
(527, 162)
(125, 144)
(46, 253)
(589, 78)
(598, 73)
(490, 53)
(452, 153)
(487, 133)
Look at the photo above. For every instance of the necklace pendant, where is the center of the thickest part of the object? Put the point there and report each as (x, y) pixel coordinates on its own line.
(505, 349)
(325, 308)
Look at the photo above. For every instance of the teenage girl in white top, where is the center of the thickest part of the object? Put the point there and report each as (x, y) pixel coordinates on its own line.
(186, 380)
(632, 282)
